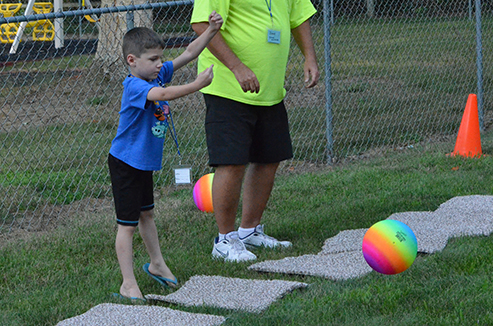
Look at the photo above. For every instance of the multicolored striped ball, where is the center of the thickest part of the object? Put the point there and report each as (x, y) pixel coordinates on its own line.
(202, 193)
(390, 247)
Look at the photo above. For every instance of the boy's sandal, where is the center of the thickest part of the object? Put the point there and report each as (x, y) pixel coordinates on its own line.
(131, 299)
(166, 282)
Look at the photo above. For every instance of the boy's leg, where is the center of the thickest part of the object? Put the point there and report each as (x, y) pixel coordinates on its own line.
(148, 231)
(124, 252)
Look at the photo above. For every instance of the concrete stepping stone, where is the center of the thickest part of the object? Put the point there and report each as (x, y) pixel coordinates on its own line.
(467, 215)
(475, 204)
(229, 293)
(111, 314)
(344, 241)
(432, 235)
(339, 266)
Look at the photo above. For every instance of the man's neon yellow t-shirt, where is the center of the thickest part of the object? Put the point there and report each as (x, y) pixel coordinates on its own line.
(245, 30)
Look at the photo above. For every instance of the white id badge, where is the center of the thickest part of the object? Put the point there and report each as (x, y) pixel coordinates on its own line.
(183, 174)
(273, 36)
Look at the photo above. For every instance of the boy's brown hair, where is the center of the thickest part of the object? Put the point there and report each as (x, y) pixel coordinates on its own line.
(139, 39)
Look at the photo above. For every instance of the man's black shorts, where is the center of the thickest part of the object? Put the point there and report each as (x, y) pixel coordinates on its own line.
(239, 133)
(132, 191)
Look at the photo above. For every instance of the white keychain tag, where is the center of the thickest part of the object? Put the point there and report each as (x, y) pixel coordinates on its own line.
(183, 174)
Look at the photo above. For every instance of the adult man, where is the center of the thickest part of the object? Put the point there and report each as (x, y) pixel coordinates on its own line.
(246, 122)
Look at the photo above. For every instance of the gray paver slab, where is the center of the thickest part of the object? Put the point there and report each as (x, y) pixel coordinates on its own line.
(339, 266)
(229, 293)
(344, 241)
(430, 233)
(110, 314)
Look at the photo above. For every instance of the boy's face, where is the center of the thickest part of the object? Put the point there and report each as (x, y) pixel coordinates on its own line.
(147, 66)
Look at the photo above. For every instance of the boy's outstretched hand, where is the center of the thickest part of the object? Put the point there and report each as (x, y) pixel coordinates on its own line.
(205, 77)
(215, 21)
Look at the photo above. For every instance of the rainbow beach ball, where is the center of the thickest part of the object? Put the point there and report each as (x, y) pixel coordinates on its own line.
(390, 247)
(202, 193)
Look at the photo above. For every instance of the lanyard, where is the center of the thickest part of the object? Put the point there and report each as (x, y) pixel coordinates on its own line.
(167, 116)
(173, 134)
(269, 6)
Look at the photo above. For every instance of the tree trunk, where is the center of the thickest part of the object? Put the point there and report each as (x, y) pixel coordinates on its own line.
(112, 27)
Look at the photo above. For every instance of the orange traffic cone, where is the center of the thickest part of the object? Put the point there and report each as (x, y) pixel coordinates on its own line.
(469, 140)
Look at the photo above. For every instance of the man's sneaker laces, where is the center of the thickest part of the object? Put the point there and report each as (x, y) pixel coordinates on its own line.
(258, 238)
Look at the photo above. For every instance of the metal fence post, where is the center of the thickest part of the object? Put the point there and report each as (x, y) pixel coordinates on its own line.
(469, 6)
(59, 32)
(332, 12)
(328, 82)
(479, 63)
(130, 20)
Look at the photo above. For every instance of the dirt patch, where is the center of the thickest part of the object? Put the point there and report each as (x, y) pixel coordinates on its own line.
(49, 217)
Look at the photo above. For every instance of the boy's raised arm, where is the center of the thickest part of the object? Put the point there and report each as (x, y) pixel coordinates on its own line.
(199, 44)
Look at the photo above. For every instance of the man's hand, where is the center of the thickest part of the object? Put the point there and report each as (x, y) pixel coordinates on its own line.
(312, 75)
(247, 78)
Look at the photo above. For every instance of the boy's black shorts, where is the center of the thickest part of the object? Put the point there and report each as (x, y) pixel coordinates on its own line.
(239, 133)
(132, 191)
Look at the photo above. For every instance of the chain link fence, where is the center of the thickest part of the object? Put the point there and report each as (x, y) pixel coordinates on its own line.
(398, 73)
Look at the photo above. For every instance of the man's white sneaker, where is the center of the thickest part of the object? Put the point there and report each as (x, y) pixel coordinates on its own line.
(231, 249)
(258, 238)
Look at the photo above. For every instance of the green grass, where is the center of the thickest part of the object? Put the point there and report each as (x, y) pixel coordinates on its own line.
(51, 164)
(52, 276)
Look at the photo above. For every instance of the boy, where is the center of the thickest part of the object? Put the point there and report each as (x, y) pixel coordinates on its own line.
(136, 150)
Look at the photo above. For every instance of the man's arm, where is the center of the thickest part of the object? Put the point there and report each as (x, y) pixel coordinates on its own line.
(218, 47)
(303, 37)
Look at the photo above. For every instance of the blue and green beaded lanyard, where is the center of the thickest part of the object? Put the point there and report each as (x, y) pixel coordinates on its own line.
(269, 6)
(273, 36)
(164, 115)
